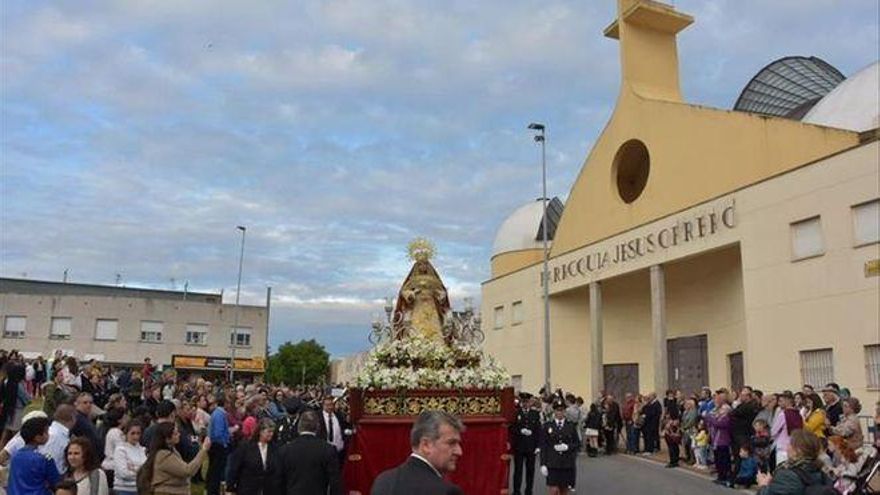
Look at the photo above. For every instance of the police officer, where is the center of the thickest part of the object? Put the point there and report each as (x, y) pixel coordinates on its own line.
(559, 450)
(30, 472)
(524, 435)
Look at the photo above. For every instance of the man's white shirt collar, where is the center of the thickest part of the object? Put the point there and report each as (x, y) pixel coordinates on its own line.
(417, 456)
(59, 427)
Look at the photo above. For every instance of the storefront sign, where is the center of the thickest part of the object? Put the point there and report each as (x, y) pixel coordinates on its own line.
(256, 364)
(683, 231)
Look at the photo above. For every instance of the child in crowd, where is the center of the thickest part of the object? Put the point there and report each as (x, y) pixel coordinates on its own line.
(748, 467)
(672, 435)
(31, 472)
(66, 487)
(701, 446)
(762, 445)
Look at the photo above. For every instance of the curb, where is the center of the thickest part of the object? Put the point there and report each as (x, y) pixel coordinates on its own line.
(681, 469)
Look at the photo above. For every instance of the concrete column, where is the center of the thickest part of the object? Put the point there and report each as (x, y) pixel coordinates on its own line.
(658, 329)
(597, 371)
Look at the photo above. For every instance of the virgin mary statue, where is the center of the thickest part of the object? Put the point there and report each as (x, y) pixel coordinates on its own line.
(422, 303)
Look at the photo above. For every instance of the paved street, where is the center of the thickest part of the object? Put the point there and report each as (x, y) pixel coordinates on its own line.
(624, 475)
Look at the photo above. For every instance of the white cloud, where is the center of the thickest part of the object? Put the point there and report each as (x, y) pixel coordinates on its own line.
(137, 135)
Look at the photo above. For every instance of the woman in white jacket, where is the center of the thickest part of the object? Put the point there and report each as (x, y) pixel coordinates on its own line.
(112, 424)
(127, 459)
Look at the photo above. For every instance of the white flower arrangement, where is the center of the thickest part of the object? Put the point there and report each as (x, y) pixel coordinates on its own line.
(418, 362)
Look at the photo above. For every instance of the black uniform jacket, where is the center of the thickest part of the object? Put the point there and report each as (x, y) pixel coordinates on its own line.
(552, 435)
(528, 419)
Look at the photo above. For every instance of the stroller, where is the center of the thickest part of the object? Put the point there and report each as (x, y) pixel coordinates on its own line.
(868, 480)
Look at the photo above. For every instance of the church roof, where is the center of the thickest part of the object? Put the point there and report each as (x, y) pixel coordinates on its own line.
(853, 105)
(522, 229)
(788, 87)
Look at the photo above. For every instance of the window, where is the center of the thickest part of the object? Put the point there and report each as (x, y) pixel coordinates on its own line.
(106, 329)
(151, 331)
(817, 367)
(806, 239)
(516, 313)
(196, 334)
(240, 337)
(499, 317)
(866, 222)
(14, 326)
(872, 365)
(631, 167)
(60, 328)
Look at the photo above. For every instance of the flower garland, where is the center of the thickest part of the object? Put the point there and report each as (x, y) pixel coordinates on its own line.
(418, 362)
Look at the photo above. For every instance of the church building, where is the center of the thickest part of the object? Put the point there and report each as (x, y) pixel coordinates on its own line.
(702, 246)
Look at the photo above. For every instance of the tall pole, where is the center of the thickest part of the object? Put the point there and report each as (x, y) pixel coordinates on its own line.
(545, 277)
(237, 307)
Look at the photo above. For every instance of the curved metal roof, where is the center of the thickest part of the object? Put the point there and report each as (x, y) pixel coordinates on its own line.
(788, 87)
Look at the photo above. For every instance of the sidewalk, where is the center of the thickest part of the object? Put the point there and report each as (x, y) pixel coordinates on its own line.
(662, 458)
(688, 470)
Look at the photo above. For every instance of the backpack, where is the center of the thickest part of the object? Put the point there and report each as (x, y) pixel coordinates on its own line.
(813, 488)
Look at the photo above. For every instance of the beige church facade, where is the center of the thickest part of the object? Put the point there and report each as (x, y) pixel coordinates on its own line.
(698, 246)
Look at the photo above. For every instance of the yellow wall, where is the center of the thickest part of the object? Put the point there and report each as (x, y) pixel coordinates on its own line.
(739, 285)
(505, 263)
(626, 305)
(518, 347)
(745, 293)
(570, 341)
(822, 302)
(704, 295)
(696, 154)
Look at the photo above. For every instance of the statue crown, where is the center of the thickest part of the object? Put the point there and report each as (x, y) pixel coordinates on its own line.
(421, 249)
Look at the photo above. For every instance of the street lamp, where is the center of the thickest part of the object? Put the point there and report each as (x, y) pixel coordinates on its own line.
(541, 138)
(237, 307)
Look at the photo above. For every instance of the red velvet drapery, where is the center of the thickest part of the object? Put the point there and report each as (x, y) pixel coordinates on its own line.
(377, 446)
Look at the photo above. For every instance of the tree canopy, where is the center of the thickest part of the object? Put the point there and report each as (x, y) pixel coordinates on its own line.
(304, 362)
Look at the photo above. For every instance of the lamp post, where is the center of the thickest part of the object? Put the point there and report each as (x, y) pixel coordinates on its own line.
(234, 338)
(541, 138)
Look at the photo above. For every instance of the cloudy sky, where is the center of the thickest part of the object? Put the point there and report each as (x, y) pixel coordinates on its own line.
(136, 135)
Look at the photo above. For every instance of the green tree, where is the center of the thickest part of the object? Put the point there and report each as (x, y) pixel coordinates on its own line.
(304, 362)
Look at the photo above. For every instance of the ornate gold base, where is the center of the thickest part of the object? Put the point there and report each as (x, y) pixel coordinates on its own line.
(378, 404)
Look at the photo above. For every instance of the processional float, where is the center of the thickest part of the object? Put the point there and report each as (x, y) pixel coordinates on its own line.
(427, 357)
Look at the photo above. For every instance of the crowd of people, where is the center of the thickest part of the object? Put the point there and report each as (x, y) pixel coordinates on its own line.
(125, 431)
(780, 442)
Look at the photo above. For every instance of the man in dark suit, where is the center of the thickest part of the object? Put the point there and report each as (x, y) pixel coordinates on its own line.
(741, 418)
(524, 434)
(436, 446)
(559, 449)
(334, 429)
(308, 463)
(653, 411)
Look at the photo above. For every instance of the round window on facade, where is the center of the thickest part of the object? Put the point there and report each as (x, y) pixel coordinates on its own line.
(631, 167)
